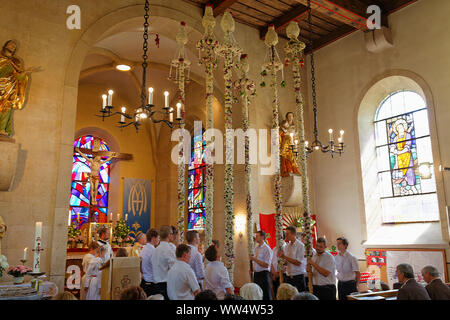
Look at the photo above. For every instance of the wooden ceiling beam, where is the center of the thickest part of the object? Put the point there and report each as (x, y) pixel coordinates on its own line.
(298, 13)
(349, 12)
(220, 6)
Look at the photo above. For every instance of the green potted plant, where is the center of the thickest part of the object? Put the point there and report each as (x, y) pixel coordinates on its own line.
(120, 233)
(72, 233)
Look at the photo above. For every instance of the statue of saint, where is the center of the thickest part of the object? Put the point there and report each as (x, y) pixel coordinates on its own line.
(288, 160)
(13, 85)
(96, 162)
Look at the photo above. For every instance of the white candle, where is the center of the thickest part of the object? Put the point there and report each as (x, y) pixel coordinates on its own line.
(342, 136)
(69, 221)
(126, 217)
(292, 138)
(331, 134)
(150, 95)
(37, 247)
(110, 94)
(104, 97)
(171, 115)
(166, 95)
(78, 217)
(178, 110)
(25, 254)
(122, 117)
(118, 217)
(306, 143)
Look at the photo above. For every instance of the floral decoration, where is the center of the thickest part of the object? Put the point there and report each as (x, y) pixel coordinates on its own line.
(120, 232)
(18, 271)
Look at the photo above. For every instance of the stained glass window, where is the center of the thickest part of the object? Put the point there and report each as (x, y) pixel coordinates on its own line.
(403, 142)
(196, 186)
(80, 197)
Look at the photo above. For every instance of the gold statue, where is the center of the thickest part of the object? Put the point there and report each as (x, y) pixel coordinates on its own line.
(288, 136)
(96, 162)
(13, 84)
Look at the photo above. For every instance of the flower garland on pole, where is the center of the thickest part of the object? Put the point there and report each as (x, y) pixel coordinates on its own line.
(207, 45)
(229, 50)
(294, 49)
(271, 68)
(180, 64)
(246, 88)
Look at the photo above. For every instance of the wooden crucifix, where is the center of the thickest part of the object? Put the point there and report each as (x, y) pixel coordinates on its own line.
(96, 162)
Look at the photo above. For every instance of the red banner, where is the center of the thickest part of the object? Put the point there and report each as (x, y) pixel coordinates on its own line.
(267, 223)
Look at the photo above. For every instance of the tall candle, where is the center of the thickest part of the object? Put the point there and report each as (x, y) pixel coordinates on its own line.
(37, 247)
(178, 110)
(69, 221)
(126, 217)
(25, 253)
(122, 117)
(166, 95)
(171, 115)
(331, 134)
(110, 94)
(118, 217)
(342, 136)
(104, 97)
(150, 95)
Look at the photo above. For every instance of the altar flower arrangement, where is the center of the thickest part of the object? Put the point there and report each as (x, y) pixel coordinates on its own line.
(129, 240)
(18, 272)
(72, 233)
(3, 264)
(80, 239)
(120, 232)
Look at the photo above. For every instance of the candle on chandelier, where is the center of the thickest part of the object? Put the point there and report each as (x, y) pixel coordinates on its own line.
(122, 117)
(37, 247)
(171, 115)
(104, 97)
(25, 253)
(342, 136)
(166, 95)
(150, 95)
(331, 134)
(178, 110)
(110, 94)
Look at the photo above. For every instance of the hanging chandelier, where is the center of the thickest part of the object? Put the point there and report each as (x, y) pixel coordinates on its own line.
(316, 145)
(147, 108)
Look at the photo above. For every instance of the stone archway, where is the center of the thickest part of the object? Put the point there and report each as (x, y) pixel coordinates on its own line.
(179, 12)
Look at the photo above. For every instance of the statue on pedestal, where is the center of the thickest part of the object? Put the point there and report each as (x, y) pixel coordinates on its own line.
(13, 84)
(288, 136)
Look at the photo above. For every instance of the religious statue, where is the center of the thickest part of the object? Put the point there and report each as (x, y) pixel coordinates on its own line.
(288, 136)
(96, 162)
(403, 175)
(13, 84)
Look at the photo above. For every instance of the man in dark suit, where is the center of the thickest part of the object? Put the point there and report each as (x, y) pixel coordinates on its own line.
(437, 290)
(410, 290)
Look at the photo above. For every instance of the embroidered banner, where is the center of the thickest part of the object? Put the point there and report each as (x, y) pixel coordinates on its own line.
(137, 204)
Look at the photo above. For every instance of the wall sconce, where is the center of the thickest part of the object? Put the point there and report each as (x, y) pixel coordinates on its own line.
(441, 168)
(240, 224)
(425, 170)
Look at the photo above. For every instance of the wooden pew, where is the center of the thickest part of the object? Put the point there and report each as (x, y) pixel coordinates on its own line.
(367, 296)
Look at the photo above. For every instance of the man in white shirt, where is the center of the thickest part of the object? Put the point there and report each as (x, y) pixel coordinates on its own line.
(103, 241)
(163, 258)
(261, 264)
(294, 253)
(148, 282)
(217, 278)
(348, 272)
(196, 261)
(181, 281)
(323, 268)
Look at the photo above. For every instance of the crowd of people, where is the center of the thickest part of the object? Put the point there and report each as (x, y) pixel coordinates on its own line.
(184, 271)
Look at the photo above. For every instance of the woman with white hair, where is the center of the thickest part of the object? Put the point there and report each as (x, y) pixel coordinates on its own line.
(251, 291)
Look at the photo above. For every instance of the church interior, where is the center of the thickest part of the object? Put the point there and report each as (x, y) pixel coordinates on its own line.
(111, 110)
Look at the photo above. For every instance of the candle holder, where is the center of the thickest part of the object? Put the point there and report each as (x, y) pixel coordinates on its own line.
(23, 261)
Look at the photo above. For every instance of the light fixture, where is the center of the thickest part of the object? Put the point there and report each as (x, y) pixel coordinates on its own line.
(425, 170)
(146, 109)
(240, 223)
(441, 168)
(123, 67)
(316, 145)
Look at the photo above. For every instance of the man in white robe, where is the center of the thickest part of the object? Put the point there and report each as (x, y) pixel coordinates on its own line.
(94, 276)
(103, 241)
(93, 252)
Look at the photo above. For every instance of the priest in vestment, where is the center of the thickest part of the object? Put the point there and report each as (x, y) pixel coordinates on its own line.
(138, 245)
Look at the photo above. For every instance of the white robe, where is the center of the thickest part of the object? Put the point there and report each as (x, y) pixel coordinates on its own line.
(93, 279)
(86, 259)
(109, 252)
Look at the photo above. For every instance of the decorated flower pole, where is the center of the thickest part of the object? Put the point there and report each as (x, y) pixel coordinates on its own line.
(229, 50)
(246, 89)
(271, 68)
(294, 49)
(181, 65)
(207, 57)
